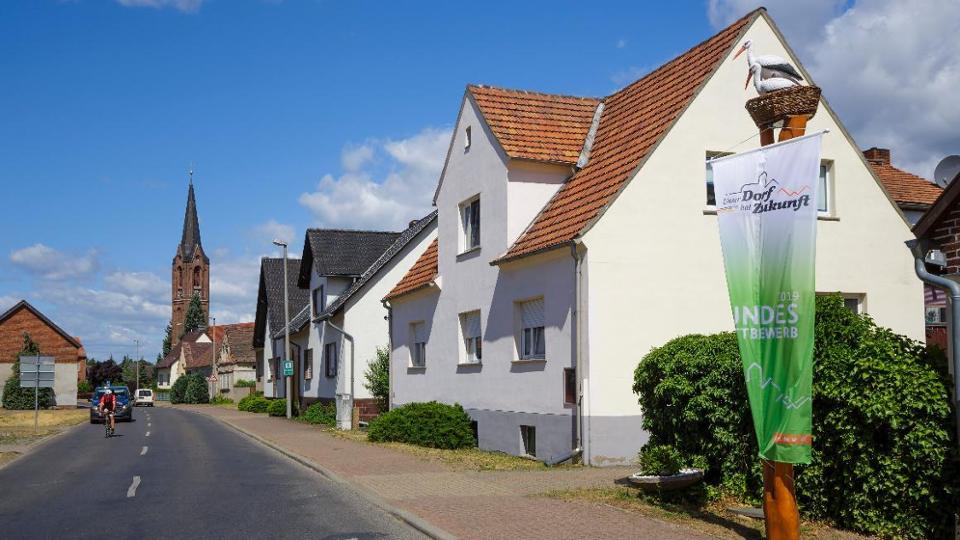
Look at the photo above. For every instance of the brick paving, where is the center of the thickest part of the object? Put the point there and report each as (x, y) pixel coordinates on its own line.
(467, 504)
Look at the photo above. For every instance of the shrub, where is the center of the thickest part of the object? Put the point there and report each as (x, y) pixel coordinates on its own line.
(432, 424)
(245, 383)
(84, 387)
(884, 457)
(277, 407)
(321, 413)
(377, 378)
(253, 403)
(178, 390)
(662, 460)
(221, 400)
(190, 388)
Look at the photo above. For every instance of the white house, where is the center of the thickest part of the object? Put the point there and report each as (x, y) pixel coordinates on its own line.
(575, 234)
(270, 320)
(337, 334)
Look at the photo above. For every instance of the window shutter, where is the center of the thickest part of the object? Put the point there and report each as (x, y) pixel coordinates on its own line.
(533, 314)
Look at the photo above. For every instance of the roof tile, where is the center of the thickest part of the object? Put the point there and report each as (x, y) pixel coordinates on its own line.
(904, 187)
(421, 274)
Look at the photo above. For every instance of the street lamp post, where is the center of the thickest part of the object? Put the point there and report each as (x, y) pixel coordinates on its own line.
(137, 360)
(286, 326)
(213, 359)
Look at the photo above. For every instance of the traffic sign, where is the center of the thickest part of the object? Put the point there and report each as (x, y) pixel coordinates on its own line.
(37, 371)
(288, 368)
(212, 378)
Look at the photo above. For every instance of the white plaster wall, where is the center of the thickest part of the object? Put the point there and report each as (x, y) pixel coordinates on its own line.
(268, 382)
(529, 186)
(64, 383)
(655, 264)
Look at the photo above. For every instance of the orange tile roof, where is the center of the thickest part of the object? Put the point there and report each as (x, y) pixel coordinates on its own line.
(421, 274)
(904, 187)
(532, 125)
(633, 121)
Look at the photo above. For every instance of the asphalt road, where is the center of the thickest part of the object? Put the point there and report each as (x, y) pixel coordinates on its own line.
(197, 479)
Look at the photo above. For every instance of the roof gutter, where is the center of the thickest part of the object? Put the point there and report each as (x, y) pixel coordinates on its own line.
(577, 250)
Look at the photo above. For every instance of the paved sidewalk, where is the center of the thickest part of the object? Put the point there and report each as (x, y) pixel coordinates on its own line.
(466, 504)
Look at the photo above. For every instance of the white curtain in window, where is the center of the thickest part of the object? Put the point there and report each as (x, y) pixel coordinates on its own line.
(471, 325)
(532, 313)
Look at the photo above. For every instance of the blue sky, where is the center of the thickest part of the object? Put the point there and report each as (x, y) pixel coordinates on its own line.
(283, 106)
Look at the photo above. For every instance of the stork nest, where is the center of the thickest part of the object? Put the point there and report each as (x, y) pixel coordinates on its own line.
(776, 106)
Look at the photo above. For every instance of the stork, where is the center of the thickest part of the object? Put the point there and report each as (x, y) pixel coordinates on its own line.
(771, 65)
(765, 86)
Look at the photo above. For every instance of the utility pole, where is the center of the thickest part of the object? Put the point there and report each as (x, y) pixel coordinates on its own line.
(286, 327)
(213, 361)
(137, 360)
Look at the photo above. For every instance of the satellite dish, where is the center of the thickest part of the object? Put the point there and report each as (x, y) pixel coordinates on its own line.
(946, 170)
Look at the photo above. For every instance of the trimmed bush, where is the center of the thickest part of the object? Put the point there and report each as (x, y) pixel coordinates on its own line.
(178, 390)
(884, 455)
(321, 413)
(662, 460)
(253, 403)
(432, 424)
(245, 383)
(277, 407)
(221, 400)
(190, 388)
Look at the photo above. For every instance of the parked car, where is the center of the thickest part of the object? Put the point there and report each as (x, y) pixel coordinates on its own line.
(124, 411)
(144, 398)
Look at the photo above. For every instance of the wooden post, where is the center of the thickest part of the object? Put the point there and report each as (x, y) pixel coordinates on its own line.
(782, 516)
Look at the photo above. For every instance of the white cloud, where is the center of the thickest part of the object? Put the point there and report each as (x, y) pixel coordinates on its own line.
(233, 288)
(353, 158)
(621, 43)
(187, 6)
(270, 231)
(884, 65)
(381, 199)
(138, 283)
(49, 263)
(7, 302)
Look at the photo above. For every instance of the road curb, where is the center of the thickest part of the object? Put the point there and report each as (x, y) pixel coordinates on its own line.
(409, 518)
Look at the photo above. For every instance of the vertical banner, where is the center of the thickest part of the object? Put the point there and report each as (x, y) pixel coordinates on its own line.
(767, 212)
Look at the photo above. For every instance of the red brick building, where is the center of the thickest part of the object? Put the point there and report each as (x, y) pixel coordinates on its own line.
(70, 357)
(190, 271)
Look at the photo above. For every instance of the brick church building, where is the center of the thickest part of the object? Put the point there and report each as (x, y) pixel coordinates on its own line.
(190, 271)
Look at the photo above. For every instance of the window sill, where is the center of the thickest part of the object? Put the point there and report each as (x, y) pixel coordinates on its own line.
(469, 364)
(466, 252)
(530, 360)
(416, 368)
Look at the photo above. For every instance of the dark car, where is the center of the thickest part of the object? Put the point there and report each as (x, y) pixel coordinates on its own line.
(124, 410)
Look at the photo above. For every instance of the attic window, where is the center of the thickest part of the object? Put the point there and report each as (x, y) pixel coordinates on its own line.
(467, 138)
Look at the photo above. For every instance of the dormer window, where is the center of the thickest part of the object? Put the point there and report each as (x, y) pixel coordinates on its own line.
(470, 224)
(467, 138)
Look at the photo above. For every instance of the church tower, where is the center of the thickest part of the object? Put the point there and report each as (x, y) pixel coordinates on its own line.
(190, 272)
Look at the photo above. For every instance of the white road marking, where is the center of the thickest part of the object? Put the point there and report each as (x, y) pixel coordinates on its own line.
(143, 451)
(148, 434)
(132, 490)
(149, 424)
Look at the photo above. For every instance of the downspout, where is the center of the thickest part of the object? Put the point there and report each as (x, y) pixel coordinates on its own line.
(389, 308)
(349, 338)
(577, 255)
(953, 289)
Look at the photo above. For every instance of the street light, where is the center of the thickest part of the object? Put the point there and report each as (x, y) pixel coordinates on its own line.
(138, 365)
(286, 326)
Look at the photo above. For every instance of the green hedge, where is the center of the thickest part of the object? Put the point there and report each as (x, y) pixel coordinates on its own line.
(884, 453)
(277, 407)
(245, 383)
(254, 403)
(17, 398)
(432, 424)
(320, 413)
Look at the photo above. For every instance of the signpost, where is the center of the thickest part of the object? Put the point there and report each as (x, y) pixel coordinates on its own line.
(37, 372)
(288, 368)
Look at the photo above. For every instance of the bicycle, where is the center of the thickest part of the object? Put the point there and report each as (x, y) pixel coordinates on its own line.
(106, 424)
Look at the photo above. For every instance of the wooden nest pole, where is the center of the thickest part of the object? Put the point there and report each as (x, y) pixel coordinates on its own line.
(788, 109)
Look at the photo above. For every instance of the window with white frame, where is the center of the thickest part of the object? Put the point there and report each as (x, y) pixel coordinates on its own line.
(852, 301)
(418, 344)
(308, 364)
(330, 359)
(472, 337)
(319, 301)
(824, 202)
(532, 342)
(470, 224)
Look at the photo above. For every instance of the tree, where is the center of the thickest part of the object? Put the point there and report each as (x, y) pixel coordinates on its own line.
(15, 397)
(102, 372)
(195, 318)
(166, 341)
(129, 369)
(378, 378)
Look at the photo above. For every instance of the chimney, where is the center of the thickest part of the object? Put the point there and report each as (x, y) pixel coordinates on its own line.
(879, 156)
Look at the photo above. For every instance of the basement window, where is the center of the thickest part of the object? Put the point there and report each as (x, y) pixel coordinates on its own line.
(528, 435)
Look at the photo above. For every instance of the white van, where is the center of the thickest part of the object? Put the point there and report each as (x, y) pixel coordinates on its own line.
(144, 398)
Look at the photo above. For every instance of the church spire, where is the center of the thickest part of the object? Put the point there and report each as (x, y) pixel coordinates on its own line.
(191, 225)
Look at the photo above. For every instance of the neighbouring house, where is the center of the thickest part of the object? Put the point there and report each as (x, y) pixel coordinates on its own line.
(914, 195)
(67, 350)
(236, 358)
(939, 228)
(192, 354)
(577, 233)
(270, 320)
(336, 336)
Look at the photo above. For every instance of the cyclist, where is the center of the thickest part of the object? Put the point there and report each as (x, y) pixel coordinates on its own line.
(107, 406)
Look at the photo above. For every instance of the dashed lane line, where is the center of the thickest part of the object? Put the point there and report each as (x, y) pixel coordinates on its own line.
(143, 451)
(132, 490)
(148, 434)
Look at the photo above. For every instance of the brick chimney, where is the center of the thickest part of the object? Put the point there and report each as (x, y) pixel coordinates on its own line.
(880, 156)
